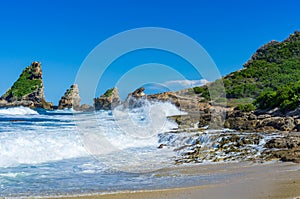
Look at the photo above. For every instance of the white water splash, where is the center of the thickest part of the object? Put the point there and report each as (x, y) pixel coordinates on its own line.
(17, 111)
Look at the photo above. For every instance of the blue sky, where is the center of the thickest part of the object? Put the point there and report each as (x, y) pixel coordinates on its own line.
(61, 34)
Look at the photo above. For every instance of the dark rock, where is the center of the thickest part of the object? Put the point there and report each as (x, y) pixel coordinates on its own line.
(252, 116)
(71, 98)
(161, 146)
(288, 125)
(279, 123)
(138, 93)
(285, 148)
(188, 121)
(288, 142)
(291, 156)
(297, 124)
(240, 124)
(108, 101)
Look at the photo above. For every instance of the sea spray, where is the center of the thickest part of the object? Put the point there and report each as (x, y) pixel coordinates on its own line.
(17, 111)
(127, 138)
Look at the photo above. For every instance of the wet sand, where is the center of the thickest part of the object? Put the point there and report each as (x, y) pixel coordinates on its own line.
(250, 181)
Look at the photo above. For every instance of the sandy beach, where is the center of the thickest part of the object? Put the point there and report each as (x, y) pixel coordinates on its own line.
(251, 181)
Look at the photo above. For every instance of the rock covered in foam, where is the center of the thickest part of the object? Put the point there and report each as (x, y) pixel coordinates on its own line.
(136, 98)
(28, 90)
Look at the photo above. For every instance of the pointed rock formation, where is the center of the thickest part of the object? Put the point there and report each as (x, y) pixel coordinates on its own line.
(108, 101)
(135, 99)
(138, 93)
(71, 98)
(28, 90)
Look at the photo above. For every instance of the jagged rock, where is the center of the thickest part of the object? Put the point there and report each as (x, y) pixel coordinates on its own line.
(138, 93)
(136, 98)
(279, 123)
(187, 121)
(288, 125)
(166, 96)
(239, 120)
(28, 90)
(226, 146)
(252, 116)
(240, 124)
(286, 148)
(71, 98)
(288, 143)
(108, 101)
(184, 100)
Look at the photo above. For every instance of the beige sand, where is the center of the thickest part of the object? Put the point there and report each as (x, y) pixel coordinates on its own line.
(259, 181)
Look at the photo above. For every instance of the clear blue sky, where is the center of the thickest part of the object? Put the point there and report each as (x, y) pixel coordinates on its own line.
(60, 34)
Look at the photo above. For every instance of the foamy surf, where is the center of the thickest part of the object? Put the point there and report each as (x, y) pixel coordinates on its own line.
(51, 136)
(42, 147)
(17, 111)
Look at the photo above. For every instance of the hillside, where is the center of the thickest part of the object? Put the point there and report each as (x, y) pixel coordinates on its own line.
(272, 67)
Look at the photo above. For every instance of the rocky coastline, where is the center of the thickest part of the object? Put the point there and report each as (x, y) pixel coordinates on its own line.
(233, 135)
(267, 131)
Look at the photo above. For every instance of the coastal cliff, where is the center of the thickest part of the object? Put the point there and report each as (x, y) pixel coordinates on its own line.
(28, 90)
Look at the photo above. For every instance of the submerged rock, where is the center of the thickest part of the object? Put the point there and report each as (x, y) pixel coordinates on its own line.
(28, 90)
(71, 98)
(108, 101)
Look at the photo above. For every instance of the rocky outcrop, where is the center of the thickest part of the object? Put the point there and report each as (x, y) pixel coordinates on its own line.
(255, 121)
(108, 101)
(136, 98)
(185, 100)
(28, 90)
(71, 98)
(228, 146)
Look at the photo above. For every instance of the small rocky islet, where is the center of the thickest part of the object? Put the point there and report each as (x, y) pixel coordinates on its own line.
(213, 132)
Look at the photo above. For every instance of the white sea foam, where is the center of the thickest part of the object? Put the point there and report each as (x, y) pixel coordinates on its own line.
(17, 111)
(37, 141)
(66, 110)
(127, 139)
(33, 148)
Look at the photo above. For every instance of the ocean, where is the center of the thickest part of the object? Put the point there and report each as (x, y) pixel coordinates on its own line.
(46, 153)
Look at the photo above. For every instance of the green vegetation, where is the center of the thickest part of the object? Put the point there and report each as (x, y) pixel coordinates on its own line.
(240, 101)
(25, 85)
(261, 76)
(287, 97)
(109, 92)
(272, 71)
(203, 90)
(245, 107)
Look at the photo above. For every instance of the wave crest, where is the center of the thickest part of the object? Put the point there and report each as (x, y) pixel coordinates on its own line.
(17, 111)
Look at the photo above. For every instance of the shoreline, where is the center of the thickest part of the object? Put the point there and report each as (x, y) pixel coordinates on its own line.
(251, 181)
